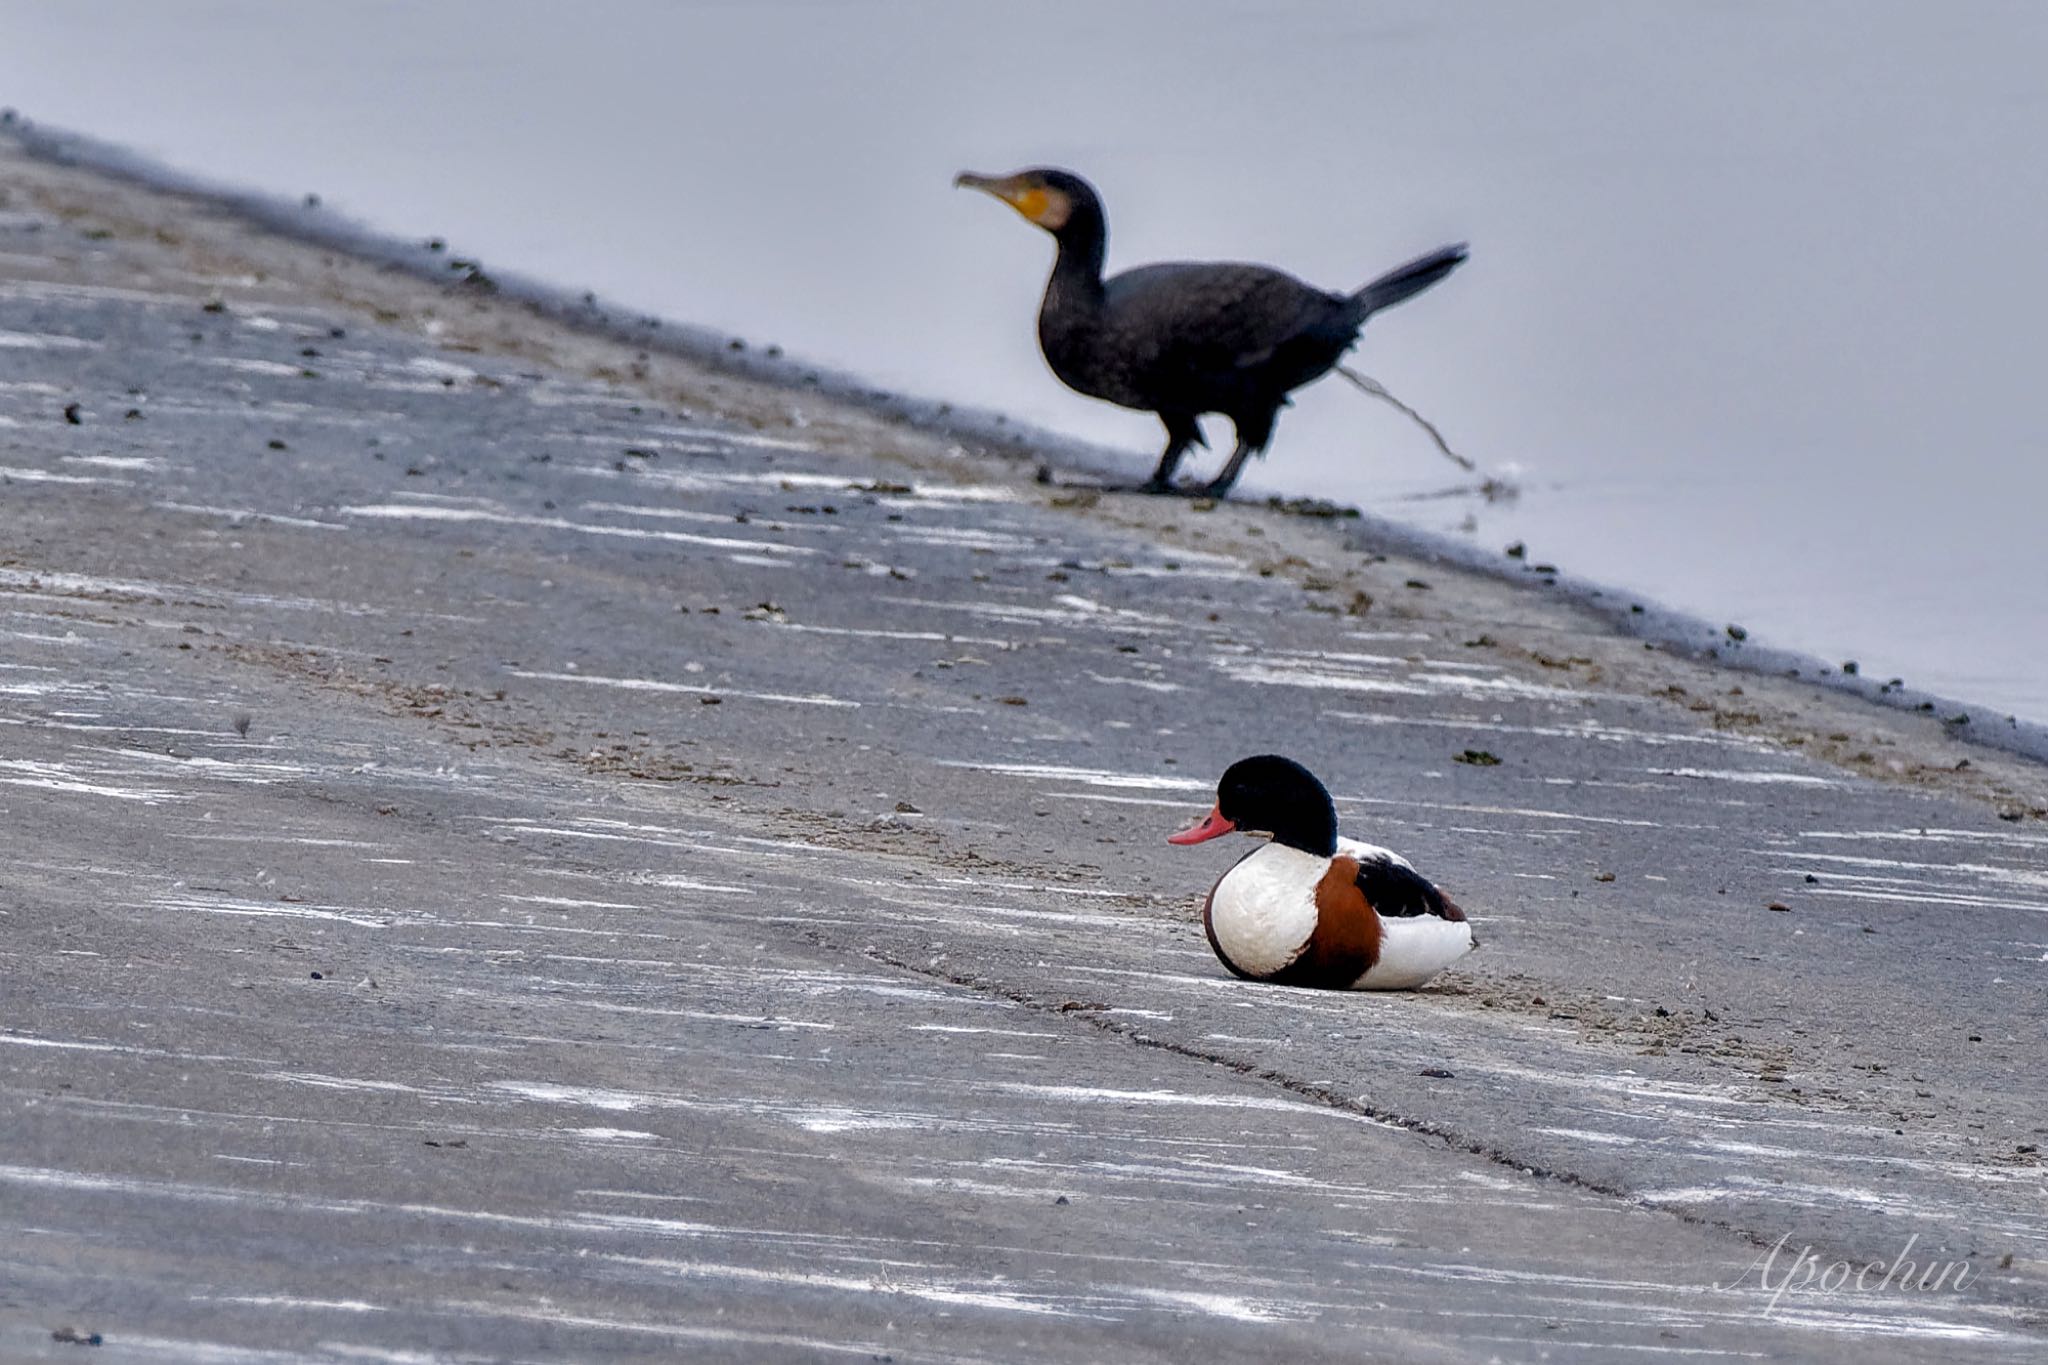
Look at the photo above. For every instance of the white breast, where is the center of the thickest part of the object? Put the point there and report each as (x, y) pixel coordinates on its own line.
(1264, 909)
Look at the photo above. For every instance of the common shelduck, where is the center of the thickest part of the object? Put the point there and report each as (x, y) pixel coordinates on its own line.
(1309, 908)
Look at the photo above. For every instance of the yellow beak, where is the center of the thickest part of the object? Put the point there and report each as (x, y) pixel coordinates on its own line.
(1029, 200)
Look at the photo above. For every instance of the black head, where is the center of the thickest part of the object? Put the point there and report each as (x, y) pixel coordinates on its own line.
(1270, 795)
(1059, 201)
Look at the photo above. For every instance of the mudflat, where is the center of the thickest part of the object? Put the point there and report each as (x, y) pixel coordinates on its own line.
(525, 848)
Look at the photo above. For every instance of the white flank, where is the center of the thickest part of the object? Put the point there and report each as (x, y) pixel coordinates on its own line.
(1413, 948)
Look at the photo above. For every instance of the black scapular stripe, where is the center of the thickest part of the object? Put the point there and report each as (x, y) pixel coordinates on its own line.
(1399, 892)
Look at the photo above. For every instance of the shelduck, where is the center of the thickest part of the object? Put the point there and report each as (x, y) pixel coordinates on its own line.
(1309, 908)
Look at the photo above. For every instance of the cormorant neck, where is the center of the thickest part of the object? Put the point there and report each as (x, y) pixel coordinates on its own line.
(1070, 318)
(1084, 246)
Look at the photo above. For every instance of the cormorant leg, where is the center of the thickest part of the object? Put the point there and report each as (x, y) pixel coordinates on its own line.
(1219, 486)
(1252, 434)
(1181, 432)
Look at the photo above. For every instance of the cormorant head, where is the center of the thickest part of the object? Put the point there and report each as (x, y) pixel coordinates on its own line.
(1054, 199)
(1270, 795)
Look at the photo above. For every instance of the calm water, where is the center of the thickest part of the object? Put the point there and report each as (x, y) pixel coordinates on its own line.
(1753, 308)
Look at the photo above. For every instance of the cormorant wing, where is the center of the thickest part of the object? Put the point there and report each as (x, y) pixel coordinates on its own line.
(1195, 318)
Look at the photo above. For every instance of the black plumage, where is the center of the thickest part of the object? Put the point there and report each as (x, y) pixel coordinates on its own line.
(1395, 889)
(1188, 338)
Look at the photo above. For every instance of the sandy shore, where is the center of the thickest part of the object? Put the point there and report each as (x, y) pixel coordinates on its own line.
(529, 847)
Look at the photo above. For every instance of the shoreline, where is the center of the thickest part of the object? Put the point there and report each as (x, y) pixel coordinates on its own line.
(994, 435)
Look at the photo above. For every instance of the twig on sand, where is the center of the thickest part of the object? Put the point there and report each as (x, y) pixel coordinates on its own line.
(1378, 390)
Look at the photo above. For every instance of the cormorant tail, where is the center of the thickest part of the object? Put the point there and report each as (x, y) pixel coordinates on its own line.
(1406, 281)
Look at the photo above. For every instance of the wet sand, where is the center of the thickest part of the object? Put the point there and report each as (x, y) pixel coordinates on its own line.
(525, 847)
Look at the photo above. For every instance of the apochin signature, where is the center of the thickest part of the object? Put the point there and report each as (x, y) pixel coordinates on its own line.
(1807, 1273)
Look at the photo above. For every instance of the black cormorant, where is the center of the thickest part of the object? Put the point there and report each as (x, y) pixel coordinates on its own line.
(1188, 338)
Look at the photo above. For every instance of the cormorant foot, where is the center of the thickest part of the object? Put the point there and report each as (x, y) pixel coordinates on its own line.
(1164, 488)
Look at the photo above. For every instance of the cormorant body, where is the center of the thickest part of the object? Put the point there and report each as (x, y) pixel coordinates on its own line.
(1188, 338)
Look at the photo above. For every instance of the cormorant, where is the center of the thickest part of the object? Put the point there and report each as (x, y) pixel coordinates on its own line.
(1188, 338)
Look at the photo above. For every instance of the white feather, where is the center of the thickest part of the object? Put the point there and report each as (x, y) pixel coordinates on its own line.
(1366, 853)
(1264, 909)
(1413, 948)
